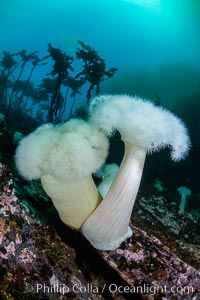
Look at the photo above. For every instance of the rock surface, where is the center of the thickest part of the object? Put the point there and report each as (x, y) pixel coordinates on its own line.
(36, 264)
(151, 270)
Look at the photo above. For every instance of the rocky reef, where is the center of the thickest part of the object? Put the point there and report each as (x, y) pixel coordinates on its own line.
(42, 261)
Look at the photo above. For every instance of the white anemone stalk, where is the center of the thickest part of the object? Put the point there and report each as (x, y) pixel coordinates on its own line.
(64, 158)
(184, 192)
(144, 128)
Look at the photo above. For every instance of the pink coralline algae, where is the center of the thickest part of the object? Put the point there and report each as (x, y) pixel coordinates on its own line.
(27, 256)
(130, 256)
(151, 270)
(8, 205)
(162, 211)
(10, 248)
(32, 254)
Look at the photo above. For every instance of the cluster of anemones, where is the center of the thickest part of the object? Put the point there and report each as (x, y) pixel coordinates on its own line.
(65, 156)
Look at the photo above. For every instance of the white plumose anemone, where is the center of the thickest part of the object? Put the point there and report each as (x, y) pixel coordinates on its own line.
(184, 192)
(34, 149)
(144, 128)
(64, 158)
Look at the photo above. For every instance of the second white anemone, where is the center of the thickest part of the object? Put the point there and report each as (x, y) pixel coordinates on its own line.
(144, 128)
(64, 158)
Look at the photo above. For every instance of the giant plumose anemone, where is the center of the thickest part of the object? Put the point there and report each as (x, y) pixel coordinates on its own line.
(144, 128)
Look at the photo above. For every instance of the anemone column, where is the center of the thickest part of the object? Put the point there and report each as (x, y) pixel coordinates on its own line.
(108, 226)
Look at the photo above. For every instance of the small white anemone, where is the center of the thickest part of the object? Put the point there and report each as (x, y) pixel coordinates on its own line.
(184, 192)
(17, 137)
(2, 118)
(108, 172)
